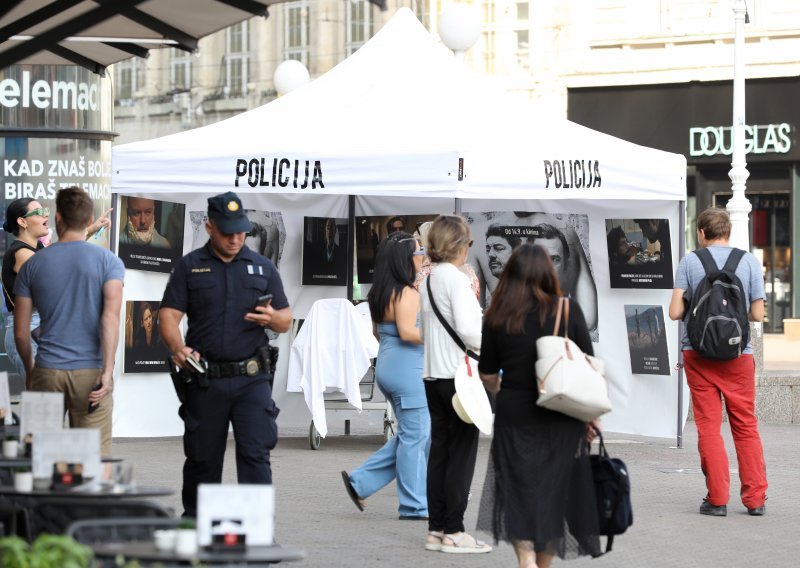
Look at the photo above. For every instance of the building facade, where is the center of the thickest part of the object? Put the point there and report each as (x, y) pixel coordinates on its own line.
(659, 73)
(655, 72)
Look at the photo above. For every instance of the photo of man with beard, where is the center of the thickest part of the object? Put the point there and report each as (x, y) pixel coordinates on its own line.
(140, 228)
(143, 225)
(565, 237)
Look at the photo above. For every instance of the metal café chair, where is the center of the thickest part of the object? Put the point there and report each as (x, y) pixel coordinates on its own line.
(55, 514)
(129, 529)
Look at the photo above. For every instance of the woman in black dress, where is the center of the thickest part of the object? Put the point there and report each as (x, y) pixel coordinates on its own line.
(538, 493)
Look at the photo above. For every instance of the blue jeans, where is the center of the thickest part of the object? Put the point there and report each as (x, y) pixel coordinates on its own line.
(11, 346)
(404, 457)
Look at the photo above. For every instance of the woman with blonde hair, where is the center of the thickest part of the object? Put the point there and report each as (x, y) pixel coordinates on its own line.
(454, 443)
(538, 492)
(421, 234)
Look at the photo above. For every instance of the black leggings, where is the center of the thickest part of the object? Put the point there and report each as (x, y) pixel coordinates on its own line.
(451, 463)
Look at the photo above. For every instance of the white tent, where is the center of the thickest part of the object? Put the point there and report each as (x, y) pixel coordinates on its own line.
(400, 119)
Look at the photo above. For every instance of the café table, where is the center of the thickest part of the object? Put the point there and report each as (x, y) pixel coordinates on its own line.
(106, 491)
(147, 553)
(49, 510)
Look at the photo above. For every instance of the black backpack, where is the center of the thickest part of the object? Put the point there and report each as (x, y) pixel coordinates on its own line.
(612, 490)
(718, 326)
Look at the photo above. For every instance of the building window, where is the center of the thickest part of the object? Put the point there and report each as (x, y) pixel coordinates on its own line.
(488, 36)
(237, 60)
(296, 31)
(180, 70)
(522, 11)
(127, 81)
(522, 51)
(359, 24)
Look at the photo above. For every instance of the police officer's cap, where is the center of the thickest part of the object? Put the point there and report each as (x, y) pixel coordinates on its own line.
(228, 214)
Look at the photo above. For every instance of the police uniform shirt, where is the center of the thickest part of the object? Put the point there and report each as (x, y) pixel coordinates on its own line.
(216, 295)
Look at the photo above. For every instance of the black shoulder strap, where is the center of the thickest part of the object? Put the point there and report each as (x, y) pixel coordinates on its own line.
(446, 325)
(733, 260)
(709, 265)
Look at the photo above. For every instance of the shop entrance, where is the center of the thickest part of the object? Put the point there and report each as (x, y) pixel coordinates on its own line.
(770, 241)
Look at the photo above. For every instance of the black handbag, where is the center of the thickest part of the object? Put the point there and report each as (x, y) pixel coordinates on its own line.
(612, 489)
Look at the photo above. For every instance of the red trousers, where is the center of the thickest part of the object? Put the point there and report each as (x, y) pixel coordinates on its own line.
(735, 381)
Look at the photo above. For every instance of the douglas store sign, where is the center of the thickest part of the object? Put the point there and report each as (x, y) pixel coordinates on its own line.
(758, 139)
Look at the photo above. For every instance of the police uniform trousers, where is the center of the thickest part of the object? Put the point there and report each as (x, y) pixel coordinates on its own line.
(246, 403)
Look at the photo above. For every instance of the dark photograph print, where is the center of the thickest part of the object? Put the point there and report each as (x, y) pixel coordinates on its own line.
(325, 255)
(639, 253)
(370, 231)
(565, 237)
(150, 233)
(647, 340)
(144, 350)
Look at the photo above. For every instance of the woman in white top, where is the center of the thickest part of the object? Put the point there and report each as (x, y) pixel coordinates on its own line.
(454, 444)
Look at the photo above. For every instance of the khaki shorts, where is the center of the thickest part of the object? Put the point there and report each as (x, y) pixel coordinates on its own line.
(76, 386)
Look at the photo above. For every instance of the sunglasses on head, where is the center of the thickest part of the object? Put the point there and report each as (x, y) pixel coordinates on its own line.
(43, 211)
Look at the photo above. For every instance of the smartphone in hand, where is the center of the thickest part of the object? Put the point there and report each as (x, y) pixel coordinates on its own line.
(263, 301)
(196, 365)
(93, 407)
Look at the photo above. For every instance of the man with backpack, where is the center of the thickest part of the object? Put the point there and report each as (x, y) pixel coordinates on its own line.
(726, 289)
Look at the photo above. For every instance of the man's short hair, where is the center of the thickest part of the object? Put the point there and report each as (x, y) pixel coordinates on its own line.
(715, 223)
(548, 231)
(498, 230)
(75, 208)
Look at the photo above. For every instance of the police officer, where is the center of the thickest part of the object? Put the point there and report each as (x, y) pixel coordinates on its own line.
(218, 287)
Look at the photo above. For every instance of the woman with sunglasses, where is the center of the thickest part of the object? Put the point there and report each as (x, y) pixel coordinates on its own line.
(421, 234)
(394, 305)
(27, 220)
(454, 443)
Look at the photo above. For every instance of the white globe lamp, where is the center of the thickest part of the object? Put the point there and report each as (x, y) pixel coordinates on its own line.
(459, 27)
(290, 75)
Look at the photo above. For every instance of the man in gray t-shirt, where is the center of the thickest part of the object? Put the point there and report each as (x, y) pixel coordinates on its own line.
(77, 289)
(710, 380)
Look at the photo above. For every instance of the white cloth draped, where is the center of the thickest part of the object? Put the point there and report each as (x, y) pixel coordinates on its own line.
(331, 352)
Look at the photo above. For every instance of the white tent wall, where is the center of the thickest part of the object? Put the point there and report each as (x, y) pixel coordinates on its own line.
(389, 126)
(145, 405)
(642, 404)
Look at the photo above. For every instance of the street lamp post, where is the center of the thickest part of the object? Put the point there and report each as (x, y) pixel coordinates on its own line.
(739, 207)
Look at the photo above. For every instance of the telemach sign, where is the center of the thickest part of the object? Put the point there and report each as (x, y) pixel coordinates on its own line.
(48, 94)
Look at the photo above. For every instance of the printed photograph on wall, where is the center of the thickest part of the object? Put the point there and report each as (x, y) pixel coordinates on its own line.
(565, 236)
(639, 253)
(267, 236)
(150, 233)
(325, 255)
(370, 231)
(144, 350)
(647, 340)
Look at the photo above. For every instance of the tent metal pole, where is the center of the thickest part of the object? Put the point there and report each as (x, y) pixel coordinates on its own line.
(351, 243)
(457, 206)
(681, 253)
(112, 233)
